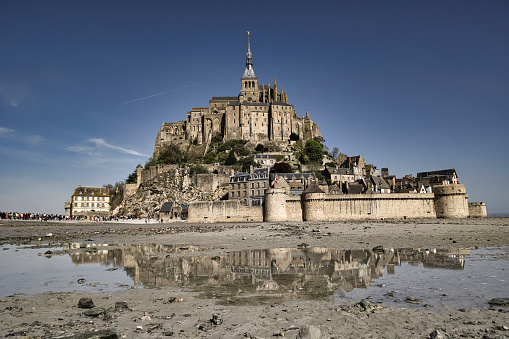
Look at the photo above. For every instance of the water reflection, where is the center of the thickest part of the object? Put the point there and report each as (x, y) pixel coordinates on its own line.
(268, 275)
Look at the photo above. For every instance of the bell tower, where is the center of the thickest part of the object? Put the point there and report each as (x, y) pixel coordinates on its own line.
(249, 82)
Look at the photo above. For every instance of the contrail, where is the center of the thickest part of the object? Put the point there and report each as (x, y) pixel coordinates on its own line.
(155, 95)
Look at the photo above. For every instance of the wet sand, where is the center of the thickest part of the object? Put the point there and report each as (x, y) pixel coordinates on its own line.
(51, 315)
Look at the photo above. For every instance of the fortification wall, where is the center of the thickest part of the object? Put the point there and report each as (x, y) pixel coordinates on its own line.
(210, 182)
(448, 201)
(153, 171)
(293, 208)
(223, 211)
(130, 189)
(477, 210)
(451, 201)
(331, 207)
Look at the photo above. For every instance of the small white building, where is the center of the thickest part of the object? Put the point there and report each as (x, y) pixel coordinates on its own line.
(264, 160)
(90, 201)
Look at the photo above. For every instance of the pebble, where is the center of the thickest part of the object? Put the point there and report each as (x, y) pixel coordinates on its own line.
(95, 312)
(85, 303)
(216, 319)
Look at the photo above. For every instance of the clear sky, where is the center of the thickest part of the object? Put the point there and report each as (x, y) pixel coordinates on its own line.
(410, 85)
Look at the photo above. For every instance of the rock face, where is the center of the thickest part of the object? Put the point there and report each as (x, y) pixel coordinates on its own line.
(175, 184)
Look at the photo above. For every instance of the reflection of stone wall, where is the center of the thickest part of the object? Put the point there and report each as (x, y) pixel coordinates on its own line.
(313, 273)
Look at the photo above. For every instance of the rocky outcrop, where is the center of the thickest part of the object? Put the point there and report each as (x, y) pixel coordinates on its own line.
(174, 185)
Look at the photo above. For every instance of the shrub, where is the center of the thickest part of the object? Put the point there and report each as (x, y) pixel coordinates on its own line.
(281, 167)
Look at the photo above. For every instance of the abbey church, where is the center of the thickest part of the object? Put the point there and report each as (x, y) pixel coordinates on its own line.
(260, 113)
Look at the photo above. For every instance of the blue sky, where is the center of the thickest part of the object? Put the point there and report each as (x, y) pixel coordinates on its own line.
(409, 85)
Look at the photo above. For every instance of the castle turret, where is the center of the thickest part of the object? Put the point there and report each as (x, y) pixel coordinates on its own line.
(312, 203)
(451, 201)
(275, 205)
(139, 172)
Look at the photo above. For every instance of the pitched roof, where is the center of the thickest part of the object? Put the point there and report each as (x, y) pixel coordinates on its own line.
(96, 191)
(313, 188)
(166, 207)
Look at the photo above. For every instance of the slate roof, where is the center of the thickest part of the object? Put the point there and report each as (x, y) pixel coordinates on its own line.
(224, 99)
(166, 207)
(355, 188)
(95, 191)
(445, 172)
(313, 188)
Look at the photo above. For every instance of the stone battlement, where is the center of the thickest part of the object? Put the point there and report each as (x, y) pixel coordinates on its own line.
(448, 201)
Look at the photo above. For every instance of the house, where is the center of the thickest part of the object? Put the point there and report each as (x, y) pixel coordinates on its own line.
(379, 185)
(264, 160)
(249, 187)
(340, 175)
(297, 182)
(90, 202)
(440, 177)
(170, 210)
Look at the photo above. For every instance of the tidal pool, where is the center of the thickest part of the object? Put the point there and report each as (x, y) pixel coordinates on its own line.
(461, 278)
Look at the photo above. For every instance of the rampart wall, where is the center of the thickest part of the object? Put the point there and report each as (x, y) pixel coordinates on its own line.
(329, 207)
(210, 182)
(448, 201)
(223, 211)
(477, 210)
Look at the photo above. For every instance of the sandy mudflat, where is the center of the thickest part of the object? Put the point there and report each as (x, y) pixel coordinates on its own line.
(52, 315)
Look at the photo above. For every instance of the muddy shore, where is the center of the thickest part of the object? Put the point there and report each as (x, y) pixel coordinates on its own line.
(154, 313)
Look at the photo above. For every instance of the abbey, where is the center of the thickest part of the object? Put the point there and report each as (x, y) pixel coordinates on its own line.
(260, 113)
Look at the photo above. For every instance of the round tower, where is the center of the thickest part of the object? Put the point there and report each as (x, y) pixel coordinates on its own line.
(312, 201)
(275, 205)
(139, 172)
(451, 201)
(312, 206)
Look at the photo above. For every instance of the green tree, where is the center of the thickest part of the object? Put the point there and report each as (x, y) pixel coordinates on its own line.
(244, 164)
(198, 169)
(314, 151)
(281, 167)
(132, 178)
(172, 154)
(231, 159)
(261, 148)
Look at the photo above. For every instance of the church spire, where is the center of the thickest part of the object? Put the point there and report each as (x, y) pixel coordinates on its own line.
(249, 56)
(249, 72)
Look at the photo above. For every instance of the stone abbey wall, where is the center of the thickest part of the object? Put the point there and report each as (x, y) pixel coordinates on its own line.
(223, 211)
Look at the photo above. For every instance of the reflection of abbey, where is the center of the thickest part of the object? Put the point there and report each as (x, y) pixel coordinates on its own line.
(259, 113)
(314, 273)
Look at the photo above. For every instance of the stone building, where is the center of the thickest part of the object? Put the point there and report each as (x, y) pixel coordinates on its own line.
(264, 160)
(90, 201)
(249, 188)
(259, 113)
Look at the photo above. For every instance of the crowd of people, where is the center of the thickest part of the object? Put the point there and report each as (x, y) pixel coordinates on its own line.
(61, 217)
(31, 216)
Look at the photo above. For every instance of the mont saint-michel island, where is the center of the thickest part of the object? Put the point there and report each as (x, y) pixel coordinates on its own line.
(325, 175)
(251, 157)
